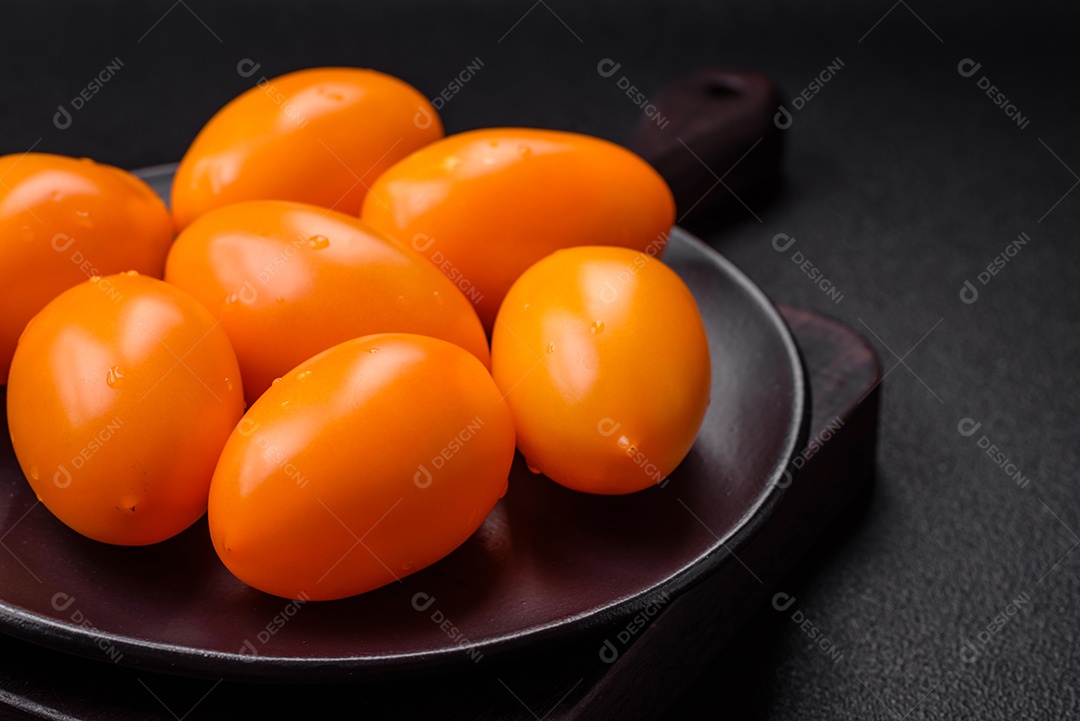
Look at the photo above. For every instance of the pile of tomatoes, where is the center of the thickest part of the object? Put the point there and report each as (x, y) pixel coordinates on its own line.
(300, 348)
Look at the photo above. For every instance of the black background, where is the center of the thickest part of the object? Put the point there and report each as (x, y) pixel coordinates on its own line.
(903, 181)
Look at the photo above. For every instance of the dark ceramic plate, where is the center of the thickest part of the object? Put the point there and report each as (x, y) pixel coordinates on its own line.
(546, 564)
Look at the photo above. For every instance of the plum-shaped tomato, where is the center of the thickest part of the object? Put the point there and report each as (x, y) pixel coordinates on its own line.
(289, 280)
(63, 220)
(364, 464)
(485, 205)
(317, 136)
(604, 359)
(122, 393)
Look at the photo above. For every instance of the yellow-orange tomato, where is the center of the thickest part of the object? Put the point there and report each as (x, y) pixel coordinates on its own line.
(605, 362)
(317, 136)
(289, 280)
(63, 220)
(485, 205)
(122, 393)
(364, 464)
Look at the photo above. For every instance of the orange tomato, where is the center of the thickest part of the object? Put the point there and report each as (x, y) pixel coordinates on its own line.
(485, 205)
(603, 356)
(364, 464)
(63, 220)
(289, 280)
(317, 136)
(123, 390)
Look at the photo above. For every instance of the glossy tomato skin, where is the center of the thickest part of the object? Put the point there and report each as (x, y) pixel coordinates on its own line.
(486, 204)
(289, 280)
(63, 220)
(605, 362)
(400, 440)
(317, 136)
(123, 391)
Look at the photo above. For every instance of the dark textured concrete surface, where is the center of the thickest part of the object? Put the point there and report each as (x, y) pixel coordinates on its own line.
(955, 593)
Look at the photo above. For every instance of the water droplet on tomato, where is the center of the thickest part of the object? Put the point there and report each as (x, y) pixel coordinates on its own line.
(95, 278)
(524, 151)
(533, 469)
(374, 350)
(406, 566)
(114, 377)
(597, 327)
(131, 273)
(303, 376)
(318, 242)
(550, 348)
(276, 381)
(285, 404)
(229, 385)
(34, 473)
